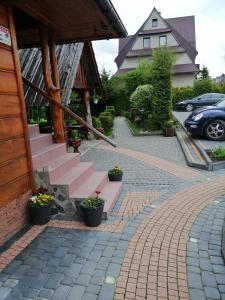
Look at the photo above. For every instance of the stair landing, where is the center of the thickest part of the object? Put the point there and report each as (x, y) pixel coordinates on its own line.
(67, 176)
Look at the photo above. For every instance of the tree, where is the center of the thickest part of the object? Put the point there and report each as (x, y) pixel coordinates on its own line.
(162, 64)
(203, 73)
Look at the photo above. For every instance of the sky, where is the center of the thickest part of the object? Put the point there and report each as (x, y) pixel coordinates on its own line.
(209, 28)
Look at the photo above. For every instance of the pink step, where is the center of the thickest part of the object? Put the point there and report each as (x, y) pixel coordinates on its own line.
(44, 157)
(33, 130)
(40, 141)
(62, 165)
(76, 176)
(94, 182)
(111, 193)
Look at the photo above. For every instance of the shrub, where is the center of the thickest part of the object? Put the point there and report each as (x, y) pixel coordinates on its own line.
(111, 109)
(96, 122)
(106, 121)
(140, 101)
(203, 86)
(161, 80)
(218, 153)
(182, 93)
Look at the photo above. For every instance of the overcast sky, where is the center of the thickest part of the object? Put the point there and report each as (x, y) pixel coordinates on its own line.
(209, 27)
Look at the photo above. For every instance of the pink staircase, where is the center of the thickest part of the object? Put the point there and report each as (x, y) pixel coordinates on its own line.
(66, 170)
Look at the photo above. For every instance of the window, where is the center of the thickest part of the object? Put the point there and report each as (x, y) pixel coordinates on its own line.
(146, 42)
(154, 22)
(162, 40)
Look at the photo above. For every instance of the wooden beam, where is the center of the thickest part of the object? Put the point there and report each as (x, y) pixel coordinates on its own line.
(52, 81)
(68, 111)
(88, 111)
(21, 97)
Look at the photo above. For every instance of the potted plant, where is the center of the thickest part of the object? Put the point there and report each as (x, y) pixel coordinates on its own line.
(92, 208)
(169, 129)
(115, 174)
(75, 140)
(40, 206)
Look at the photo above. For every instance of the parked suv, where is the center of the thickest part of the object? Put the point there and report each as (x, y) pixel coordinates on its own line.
(202, 100)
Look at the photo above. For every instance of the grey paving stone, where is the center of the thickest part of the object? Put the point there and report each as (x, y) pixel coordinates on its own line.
(193, 247)
(219, 269)
(93, 289)
(220, 278)
(88, 296)
(67, 260)
(46, 293)
(76, 292)
(74, 270)
(216, 260)
(106, 292)
(205, 264)
(4, 292)
(203, 254)
(211, 293)
(108, 252)
(88, 267)
(53, 281)
(192, 261)
(95, 255)
(222, 296)
(208, 279)
(193, 269)
(196, 294)
(83, 279)
(67, 281)
(61, 293)
(113, 270)
(97, 280)
(40, 281)
(31, 293)
(10, 283)
(194, 281)
(221, 288)
(103, 263)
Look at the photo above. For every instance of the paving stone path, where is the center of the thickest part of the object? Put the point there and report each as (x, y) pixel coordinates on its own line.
(162, 241)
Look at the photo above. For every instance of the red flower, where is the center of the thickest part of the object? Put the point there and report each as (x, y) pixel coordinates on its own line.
(97, 193)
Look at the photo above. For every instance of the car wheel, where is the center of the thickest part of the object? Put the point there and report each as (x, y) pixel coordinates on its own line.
(189, 107)
(215, 130)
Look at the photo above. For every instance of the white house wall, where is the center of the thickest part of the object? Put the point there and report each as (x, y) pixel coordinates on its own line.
(182, 58)
(154, 41)
(182, 80)
(154, 15)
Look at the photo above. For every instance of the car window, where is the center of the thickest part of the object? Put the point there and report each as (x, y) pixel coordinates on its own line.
(216, 96)
(205, 97)
(221, 103)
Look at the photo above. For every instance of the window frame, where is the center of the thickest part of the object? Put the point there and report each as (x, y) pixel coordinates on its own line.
(161, 36)
(155, 22)
(149, 39)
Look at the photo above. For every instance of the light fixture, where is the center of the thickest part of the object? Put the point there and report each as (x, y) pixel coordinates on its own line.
(95, 98)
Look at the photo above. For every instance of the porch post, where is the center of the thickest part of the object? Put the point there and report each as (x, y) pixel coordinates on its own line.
(88, 111)
(52, 81)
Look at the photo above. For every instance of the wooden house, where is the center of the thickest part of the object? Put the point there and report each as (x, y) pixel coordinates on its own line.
(26, 24)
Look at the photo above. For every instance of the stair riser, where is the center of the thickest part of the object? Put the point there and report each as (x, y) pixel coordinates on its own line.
(41, 142)
(33, 130)
(61, 170)
(110, 204)
(76, 183)
(81, 195)
(44, 159)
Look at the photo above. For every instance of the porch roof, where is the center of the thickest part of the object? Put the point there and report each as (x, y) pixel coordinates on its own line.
(72, 20)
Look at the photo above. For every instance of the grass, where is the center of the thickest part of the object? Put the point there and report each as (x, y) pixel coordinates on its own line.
(133, 128)
(218, 153)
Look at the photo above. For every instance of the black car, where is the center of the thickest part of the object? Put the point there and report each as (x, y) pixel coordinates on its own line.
(202, 100)
(208, 121)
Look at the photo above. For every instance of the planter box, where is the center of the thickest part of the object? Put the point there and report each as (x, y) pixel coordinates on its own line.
(169, 132)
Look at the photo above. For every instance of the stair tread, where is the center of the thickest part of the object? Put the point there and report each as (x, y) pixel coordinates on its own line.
(110, 193)
(73, 173)
(40, 135)
(61, 160)
(88, 188)
(46, 149)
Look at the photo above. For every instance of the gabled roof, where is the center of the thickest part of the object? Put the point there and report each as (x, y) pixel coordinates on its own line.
(182, 28)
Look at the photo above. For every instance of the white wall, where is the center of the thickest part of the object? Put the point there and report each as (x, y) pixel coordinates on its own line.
(154, 15)
(154, 41)
(182, 58)
(183, 80)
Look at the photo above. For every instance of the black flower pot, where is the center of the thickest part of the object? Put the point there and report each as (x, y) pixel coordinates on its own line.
(115, 177)
(92, 216)
(40, 215)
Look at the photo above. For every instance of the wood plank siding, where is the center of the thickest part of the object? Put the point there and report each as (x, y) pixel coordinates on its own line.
(14, 167)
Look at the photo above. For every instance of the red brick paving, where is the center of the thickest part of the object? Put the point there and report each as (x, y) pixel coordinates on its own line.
(134, 202)
(154, 265)
(179, 171)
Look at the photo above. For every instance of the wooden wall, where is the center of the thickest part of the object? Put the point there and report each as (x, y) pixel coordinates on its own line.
(14, 167)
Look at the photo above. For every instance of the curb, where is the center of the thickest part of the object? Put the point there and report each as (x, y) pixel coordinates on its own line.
(159, 132)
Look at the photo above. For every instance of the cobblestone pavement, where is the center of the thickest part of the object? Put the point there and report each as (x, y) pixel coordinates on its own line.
(162, 240)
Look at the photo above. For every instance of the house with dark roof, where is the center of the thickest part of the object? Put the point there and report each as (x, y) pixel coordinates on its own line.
(176, 33)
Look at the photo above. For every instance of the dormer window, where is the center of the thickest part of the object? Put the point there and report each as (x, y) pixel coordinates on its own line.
(154, 22)
(146, 42)
(162, 40)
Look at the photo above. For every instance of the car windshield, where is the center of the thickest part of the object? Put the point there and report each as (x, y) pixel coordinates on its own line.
(221, 103)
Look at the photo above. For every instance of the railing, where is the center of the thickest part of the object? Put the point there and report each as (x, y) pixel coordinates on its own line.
(68, 111)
